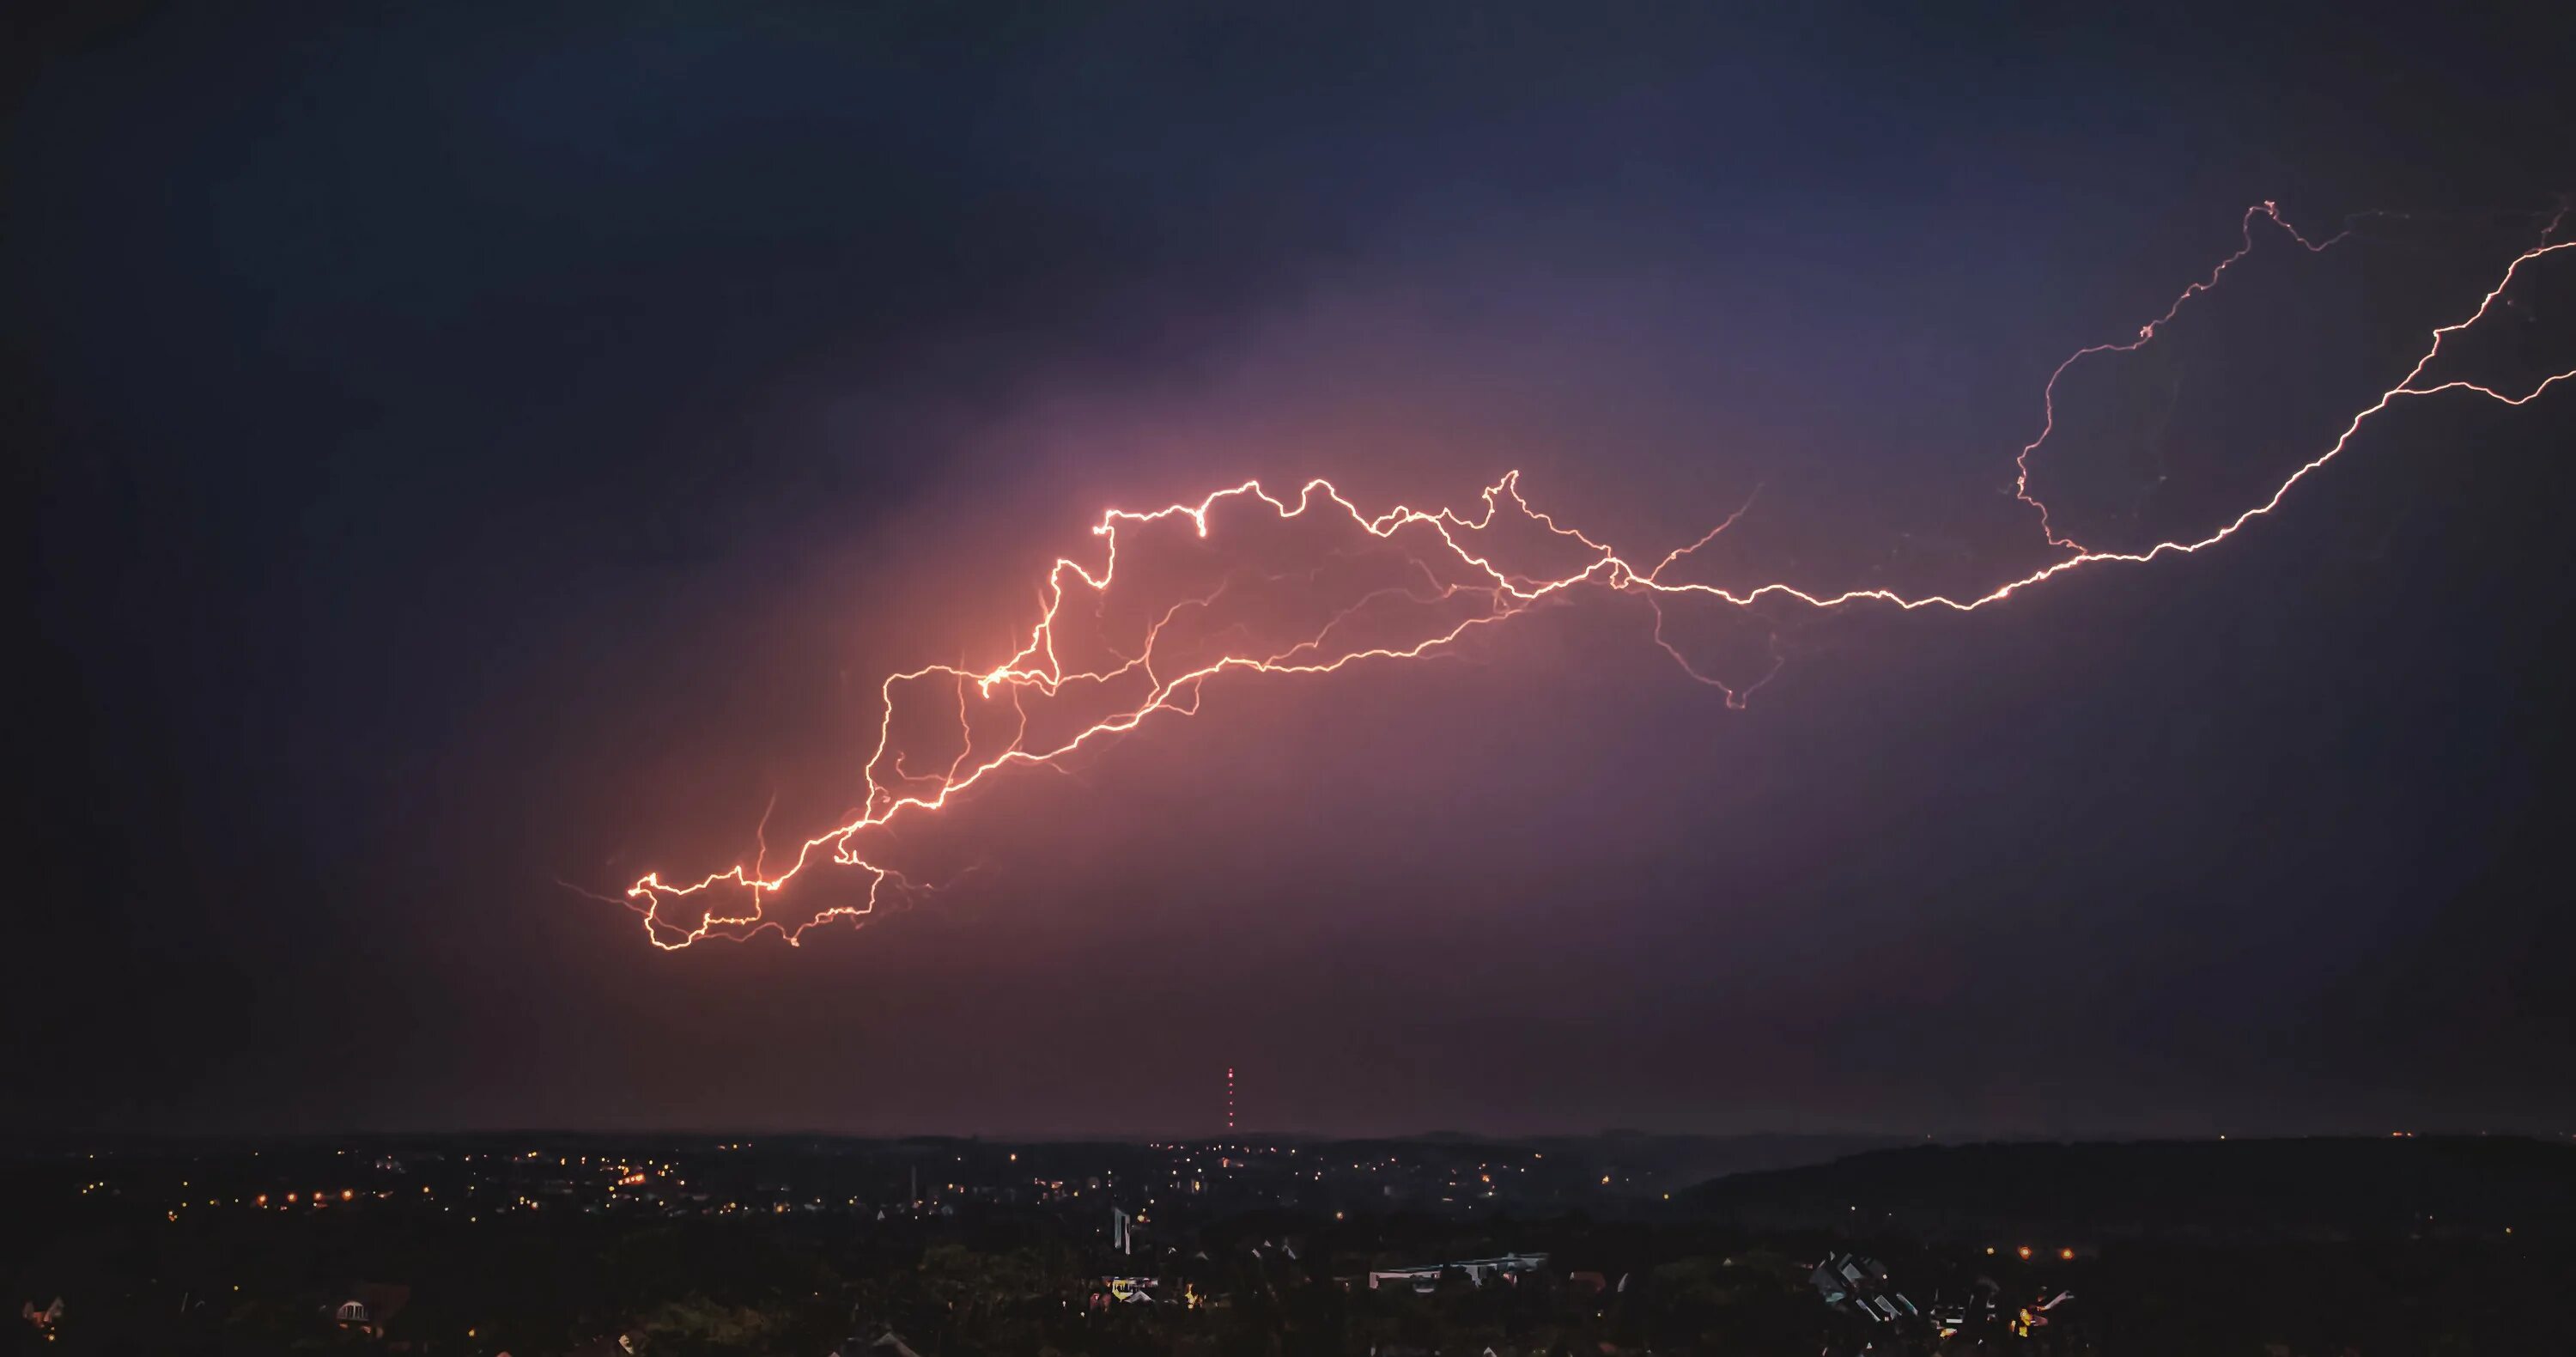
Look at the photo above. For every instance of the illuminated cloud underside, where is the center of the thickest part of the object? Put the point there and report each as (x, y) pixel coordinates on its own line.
(1453, 586)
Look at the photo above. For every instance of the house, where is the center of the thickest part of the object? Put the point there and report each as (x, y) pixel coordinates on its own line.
(1478, 1271)
(886, 1343)
(1854, 1284)
(45, 1319)
(369, 1307)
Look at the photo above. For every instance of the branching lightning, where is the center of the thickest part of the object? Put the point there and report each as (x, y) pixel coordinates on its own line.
(1038, 706)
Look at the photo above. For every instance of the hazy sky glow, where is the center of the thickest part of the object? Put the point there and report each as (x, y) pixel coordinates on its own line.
(474, 454)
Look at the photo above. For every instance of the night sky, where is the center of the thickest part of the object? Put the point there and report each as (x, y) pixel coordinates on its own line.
(480, 450)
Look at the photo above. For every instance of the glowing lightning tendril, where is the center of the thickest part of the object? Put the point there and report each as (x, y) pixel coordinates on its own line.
(1036, 670)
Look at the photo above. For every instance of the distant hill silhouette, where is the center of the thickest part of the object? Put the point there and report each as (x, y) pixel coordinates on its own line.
(2233, 1189)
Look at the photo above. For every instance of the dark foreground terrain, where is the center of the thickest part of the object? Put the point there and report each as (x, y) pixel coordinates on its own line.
(543, 1244)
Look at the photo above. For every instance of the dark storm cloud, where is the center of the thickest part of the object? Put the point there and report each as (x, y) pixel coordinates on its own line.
(469, 450)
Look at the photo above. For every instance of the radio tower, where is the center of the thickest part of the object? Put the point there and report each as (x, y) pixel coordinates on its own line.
(1229, 1100)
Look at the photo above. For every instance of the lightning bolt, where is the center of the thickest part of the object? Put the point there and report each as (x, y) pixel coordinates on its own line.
(1445, 585)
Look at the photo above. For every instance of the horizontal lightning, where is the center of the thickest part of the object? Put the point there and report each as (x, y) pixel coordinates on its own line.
(1437, 545)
